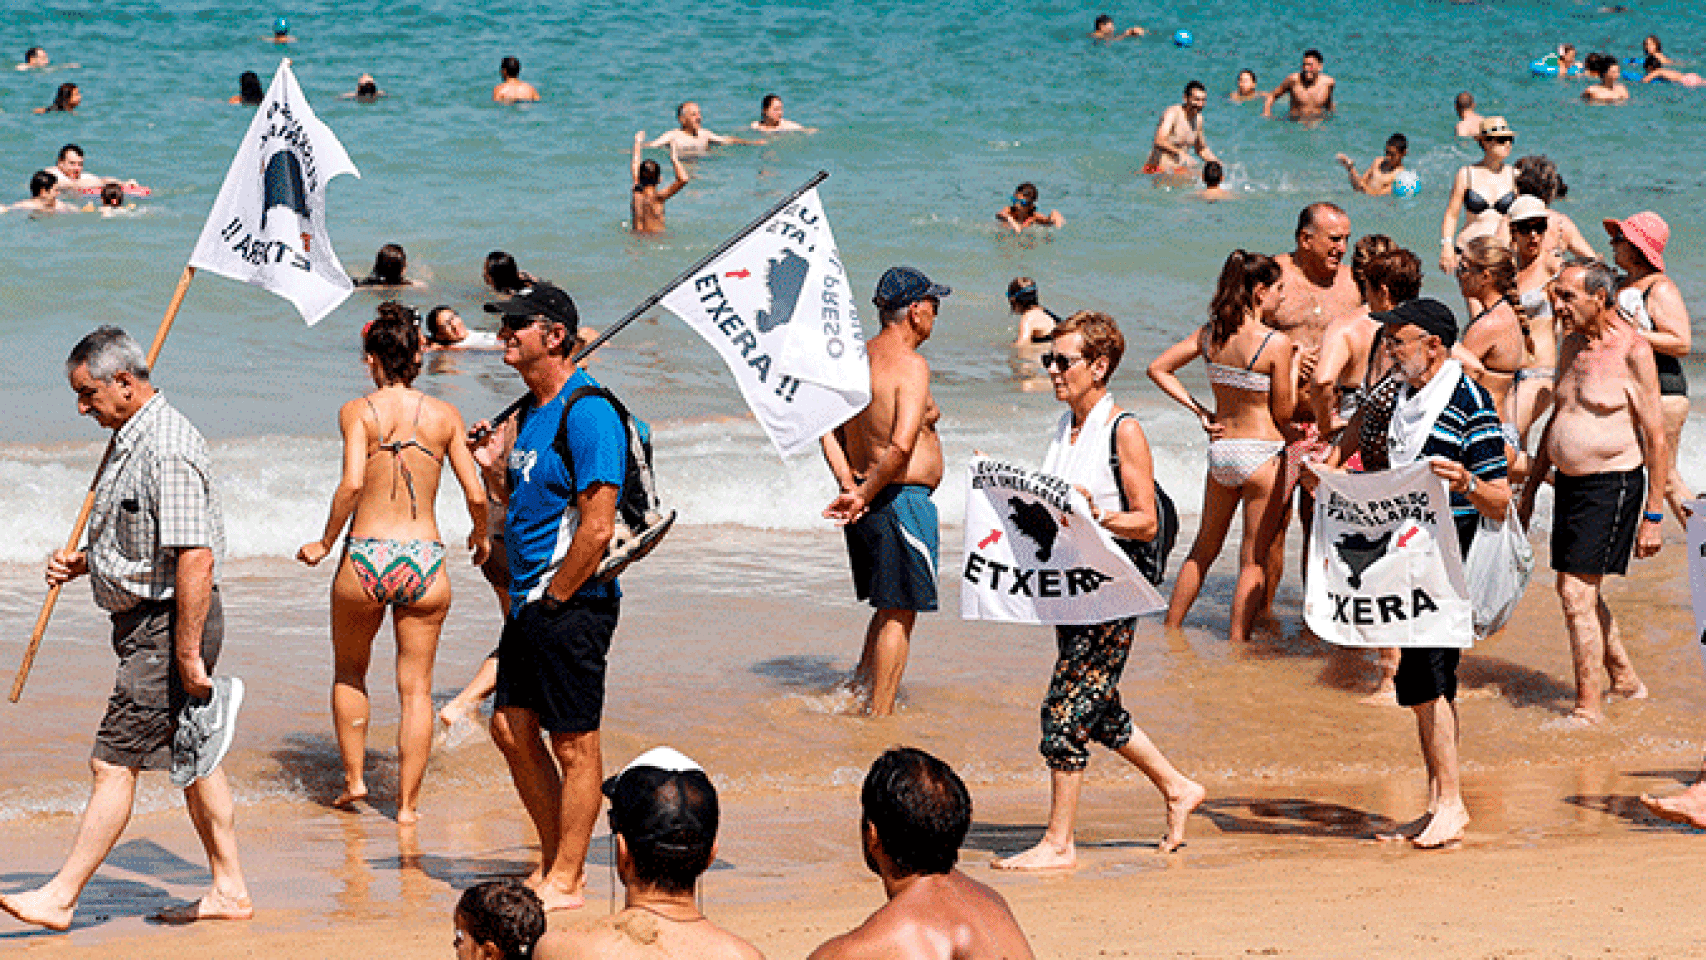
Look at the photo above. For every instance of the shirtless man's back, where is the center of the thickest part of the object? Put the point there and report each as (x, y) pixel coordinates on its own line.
(511, 88)
(946, 916)
(640, 934)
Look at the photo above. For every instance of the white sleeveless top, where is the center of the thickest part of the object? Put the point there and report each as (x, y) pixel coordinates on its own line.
(1085, 463)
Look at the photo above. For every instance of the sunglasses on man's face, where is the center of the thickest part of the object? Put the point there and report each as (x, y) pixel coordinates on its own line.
(1058, 362)
(516, 322)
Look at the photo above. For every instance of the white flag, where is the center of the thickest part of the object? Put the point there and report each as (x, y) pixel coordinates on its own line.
(1384, 564)
(1033, 555)
(1697, 570)
(777, 307)
(268, 225)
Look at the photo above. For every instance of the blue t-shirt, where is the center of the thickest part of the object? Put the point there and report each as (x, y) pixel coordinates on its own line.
(1468, 432)
(542, 514)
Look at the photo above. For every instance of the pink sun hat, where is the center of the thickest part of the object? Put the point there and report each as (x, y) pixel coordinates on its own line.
(1647, 232)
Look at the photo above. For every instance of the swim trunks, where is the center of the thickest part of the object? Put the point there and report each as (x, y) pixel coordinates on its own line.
(395, 572)
(1595, 519)
(893, 549)
(552, 662)
(142, 713)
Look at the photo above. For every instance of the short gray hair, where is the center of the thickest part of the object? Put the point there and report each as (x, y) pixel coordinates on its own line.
(889, 316)
(1599, 278)
(106, 351)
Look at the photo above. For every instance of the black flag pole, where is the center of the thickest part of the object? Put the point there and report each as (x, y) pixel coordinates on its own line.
(664, 290)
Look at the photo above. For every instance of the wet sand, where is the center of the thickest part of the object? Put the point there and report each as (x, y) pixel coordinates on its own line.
(733, 654)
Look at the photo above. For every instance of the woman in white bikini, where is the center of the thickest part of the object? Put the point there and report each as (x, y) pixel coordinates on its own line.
(1537, 263)
(1484, 191)
(1251, 370)
(395, 442)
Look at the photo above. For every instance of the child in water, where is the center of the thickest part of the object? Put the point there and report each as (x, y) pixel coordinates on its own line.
(1023, 211)
(646, 205)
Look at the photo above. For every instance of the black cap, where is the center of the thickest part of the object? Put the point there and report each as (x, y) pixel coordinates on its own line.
(664, 800)
(540, 300)
(1430, 316)
(903, 287)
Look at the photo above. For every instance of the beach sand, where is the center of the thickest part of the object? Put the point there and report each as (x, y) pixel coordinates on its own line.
(737, 664)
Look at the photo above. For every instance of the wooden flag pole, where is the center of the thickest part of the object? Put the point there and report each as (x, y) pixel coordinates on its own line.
(89, 498)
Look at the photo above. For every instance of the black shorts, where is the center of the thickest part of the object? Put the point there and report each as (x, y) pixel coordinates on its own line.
(1426, 673)
(142, 713)
(1595, 520)
(553, 663)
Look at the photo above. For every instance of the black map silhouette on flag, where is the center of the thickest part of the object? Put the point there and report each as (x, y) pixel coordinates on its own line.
(283, 186)
(784, 277)
(1359, 553)
(1037, 522)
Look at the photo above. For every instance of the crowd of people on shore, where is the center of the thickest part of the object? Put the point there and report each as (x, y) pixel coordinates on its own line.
(1319, 359)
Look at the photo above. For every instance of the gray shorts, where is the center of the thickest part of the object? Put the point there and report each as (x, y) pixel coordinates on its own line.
(142, 713)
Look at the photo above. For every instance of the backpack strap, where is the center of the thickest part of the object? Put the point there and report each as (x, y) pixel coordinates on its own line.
(561, 443)
(1114, 457)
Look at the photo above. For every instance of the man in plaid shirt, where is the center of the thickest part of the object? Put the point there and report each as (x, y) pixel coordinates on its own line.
(155, 538)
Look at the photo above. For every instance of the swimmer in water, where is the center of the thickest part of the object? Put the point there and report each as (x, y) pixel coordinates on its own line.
(503, 275)
(1610, 88)
(1658, 73)
(1036, 322)
(35, 58)
(366, 90)
(389, 265)
(1105, 30)
(1246, 89)
(249, 92)
(1310, 90)
(280, 32)
(511, 88)
(1023, 212)
(646, 204)
(43, 197)
(1468, 121)
(444, 330)
(68, 173)
(692, 137)
(66, 100)
(1180, 129)
(1382, 170)
(770, 119)
(1656, 51)
(1567, 66)
(1212, 175)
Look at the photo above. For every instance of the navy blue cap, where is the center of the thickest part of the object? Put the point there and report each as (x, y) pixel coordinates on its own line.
(1428, 315)
(903, 287)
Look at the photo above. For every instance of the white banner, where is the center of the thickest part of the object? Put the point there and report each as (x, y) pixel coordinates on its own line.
(1033, 555)
(1384, 564)
(1697, 571)
(268, 225)
(777, 307)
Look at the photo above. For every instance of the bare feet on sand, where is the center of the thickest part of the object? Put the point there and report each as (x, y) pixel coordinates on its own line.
(211, 906)
(408, 818)
(33, 908)
(1626, 691)
(1685, 808)
(1445, 828)
(1408, 831)
(1178, 811)
(350, 797)
(1385, 695)
(1578, 719)
(1044, 856)
(554, 896)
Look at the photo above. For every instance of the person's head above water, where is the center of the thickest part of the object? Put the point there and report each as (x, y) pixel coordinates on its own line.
(66, 99)
(1104, 22)
(1246, 80)
(648, 175)
(112, 195)
(689, 115)
(509, 68)
(388, 266)
(444, 327)
(1465, 103)
(1195, 95)
(1025, 195)
(249, 91)
(1313, 61)
(35, 57)
(1212, 174)
(770, 109)
(1397, 143)
(42, 184)
(366, 88)
(70, 155)
(281, 27)
(1600, 64)
(1022, 294)
(502, 274)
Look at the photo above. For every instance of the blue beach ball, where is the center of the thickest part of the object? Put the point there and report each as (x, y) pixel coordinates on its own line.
(1406, 184)
(1182, 38)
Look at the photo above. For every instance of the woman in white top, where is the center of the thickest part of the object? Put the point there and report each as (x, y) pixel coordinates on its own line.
(1250, 369)
(1083, 700)
(1484, 190)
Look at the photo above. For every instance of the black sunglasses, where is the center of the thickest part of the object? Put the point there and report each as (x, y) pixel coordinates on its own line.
(517, 321)
(1057, 361)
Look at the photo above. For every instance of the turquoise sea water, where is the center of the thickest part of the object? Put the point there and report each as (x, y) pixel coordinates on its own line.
(929, 115)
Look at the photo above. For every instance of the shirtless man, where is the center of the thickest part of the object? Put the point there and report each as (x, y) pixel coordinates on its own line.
(1180, 129)
(1382, 170)
(511, 88)
(69, 175)
(1468, 121)
(915, 812)
(645, 206)
(691, 138)
(886, 461)
(663, 817)
(1105, 30)
(43, 198)
(1606, 432)
(1311, 91)
(1316, 289)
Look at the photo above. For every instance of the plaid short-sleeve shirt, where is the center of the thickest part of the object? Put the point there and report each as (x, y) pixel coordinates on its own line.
(155, 496)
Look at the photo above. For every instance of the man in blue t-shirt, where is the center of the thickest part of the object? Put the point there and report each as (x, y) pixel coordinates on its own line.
(560, 517)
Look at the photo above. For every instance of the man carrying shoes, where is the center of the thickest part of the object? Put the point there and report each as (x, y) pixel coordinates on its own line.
(155, 540)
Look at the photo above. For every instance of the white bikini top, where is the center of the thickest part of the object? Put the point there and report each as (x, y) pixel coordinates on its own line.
(1536, 304)
(1084, 461)
(1241, 378)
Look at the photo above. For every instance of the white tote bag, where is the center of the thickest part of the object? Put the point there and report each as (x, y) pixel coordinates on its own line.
(1499, 564)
